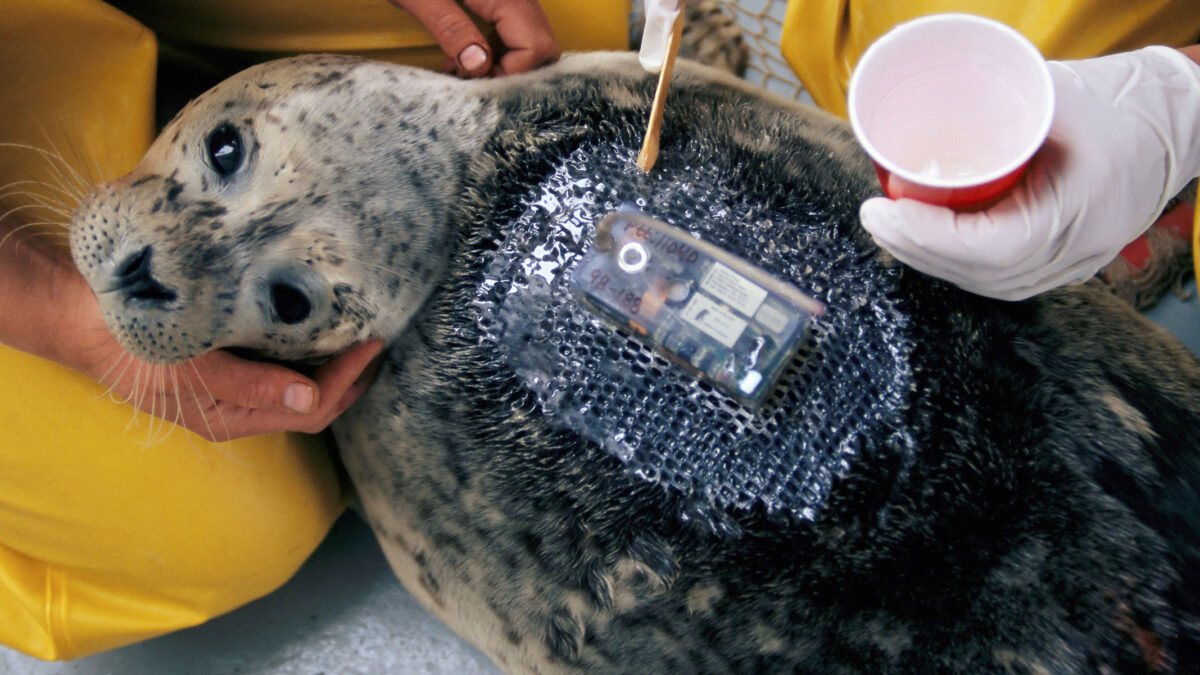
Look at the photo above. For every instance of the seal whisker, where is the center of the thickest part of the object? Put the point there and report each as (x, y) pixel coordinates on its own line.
(82, 182)
(120, 366)
(85, 183)
(68, 179)
(158, 404)
(158, 428)
(178, 417)
(21, 235)
(212, 403)
(178, 374)
(223, 446)
(59, 203)
(152, 388)
(27, 207)
(169, 390)
(169, 420)
(120, 357)
(149, 396)
(137, 392)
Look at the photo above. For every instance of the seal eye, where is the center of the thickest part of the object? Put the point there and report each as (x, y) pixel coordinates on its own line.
(225, 149)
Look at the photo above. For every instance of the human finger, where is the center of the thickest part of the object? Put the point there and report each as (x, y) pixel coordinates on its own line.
(340, 382)
(348, 375)
(454, 31)
(524, 32)
(979, 248)
(255, 385)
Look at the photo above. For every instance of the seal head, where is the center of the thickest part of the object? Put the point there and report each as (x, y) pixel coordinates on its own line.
(297, 222)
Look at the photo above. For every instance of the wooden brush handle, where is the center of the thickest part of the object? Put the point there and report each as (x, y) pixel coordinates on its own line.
(649, 153)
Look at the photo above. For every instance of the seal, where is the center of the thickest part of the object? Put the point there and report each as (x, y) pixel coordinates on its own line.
(1031, 506)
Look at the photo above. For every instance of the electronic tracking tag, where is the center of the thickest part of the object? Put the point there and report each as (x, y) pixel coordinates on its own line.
(725, 320)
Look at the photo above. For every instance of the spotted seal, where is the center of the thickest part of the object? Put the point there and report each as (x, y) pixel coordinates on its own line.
(1033, 510)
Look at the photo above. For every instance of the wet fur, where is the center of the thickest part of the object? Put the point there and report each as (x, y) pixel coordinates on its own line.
(1048, 524)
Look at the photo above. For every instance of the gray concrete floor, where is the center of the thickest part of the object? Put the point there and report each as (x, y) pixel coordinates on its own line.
(343, 612)
(1181, 316)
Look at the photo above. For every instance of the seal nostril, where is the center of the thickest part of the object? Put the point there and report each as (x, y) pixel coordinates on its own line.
(135, 265)
(291, 305)
(134, 279)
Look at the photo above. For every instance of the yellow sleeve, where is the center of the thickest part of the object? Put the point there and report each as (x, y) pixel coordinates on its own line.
(823, 39)
(109, 532)
(372, 28)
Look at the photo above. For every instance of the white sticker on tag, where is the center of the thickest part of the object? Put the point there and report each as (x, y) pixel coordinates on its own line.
(772, 319)
(712, 318)
(733, 289)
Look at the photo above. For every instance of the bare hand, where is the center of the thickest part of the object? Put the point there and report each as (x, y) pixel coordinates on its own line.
(221, 397)
(526, 40)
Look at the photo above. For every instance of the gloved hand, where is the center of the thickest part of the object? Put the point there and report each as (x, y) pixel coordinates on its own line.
(660, 19)
(1125, 139)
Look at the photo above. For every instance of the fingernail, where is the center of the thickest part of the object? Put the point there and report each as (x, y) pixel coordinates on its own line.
(472, 58)
(298, 397)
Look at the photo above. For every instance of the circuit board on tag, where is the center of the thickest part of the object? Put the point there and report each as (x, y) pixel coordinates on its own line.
(730, 323)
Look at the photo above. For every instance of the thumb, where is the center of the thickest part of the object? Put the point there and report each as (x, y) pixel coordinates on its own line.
(971, 246)
(454, 31)
(260, 386)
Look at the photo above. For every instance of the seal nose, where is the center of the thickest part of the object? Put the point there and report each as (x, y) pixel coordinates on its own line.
(134, 280)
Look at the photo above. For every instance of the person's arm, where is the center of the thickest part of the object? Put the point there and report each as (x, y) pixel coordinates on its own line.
(1125, 140)
(47, 309)
(38, 289)
(1192, 52)
(521, 26)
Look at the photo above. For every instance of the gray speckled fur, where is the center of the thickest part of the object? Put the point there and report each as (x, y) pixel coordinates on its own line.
(328, 143)
(1049, 522)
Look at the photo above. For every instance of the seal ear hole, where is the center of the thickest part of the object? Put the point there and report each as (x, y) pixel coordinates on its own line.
(225, 149)
(289, 303)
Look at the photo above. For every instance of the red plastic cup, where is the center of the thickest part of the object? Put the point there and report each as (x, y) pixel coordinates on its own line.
(951, 108)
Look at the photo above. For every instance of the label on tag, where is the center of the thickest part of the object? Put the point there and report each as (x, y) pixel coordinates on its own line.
(732, 288)
(711, 318)
(723, 319)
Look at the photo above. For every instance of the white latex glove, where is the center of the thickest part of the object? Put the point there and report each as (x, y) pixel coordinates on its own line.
(660, 19)
(1125, 140)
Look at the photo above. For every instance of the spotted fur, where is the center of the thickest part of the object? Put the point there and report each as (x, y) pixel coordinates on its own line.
(1048, 523)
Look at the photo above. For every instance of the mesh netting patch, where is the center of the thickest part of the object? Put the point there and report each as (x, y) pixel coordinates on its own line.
(842, 397)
